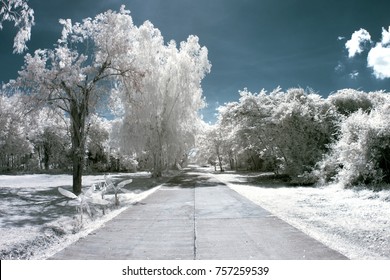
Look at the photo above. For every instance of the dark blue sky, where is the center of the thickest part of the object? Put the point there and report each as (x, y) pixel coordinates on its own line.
(252, 43)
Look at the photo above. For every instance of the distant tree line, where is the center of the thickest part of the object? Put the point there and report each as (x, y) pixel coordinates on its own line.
(344, 137)
(41, 142)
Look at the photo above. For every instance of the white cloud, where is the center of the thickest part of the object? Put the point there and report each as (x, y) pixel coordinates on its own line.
(379, 56)
(354, 45)
(385, 36)
(340, 38)
(379, 60)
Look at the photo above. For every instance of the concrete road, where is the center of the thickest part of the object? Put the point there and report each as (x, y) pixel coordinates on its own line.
(195, 216)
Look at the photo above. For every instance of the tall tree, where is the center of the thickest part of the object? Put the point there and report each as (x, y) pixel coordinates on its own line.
(160, 120)
(78, 71)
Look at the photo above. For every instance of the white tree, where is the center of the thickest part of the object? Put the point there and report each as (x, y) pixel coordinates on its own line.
(22, 15)
(216, 146)
(14, 145)
(48, 133)
(161, 120)
(281, 131)
(249, 130)
(304, 123)
(76, 73)
(251, 119)
(38, 140)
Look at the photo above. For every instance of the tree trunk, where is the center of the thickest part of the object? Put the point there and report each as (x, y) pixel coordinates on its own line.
(158, 155)
(78, 145)
(231, 160)
(157, 165)
(254, 163)
(220, 163)
(46, 156)
(77, 175)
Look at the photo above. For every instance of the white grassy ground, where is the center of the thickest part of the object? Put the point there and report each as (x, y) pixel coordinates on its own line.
(36, 221)
(355, 222)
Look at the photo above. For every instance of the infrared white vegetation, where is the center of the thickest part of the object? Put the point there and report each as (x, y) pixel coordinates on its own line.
(162, 119)
(101, 60)
(299, 134)
(18, 12)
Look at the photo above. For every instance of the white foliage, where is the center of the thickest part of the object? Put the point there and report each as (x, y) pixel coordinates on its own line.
(84, 200)
(280, 131)
(348, 101)
(361, 153)
(14, 131)
(160, 119)
(124, 183)
(77, 73)
(108, 185)
(67, 193)
(73, 71)
(18, 12)
(364, 138)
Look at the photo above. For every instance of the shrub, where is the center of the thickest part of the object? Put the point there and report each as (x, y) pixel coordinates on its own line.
(362, 153)
(348, 101)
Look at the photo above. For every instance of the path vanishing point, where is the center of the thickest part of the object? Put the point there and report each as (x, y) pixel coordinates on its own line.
(195, 216)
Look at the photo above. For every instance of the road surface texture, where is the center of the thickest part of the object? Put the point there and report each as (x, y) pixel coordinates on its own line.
(195, 216)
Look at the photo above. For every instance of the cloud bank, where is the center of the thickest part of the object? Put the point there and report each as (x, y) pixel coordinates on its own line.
(378, 57)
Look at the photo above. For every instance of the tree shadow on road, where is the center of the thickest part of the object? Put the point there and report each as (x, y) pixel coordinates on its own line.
(264, 180)
(193, 180)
